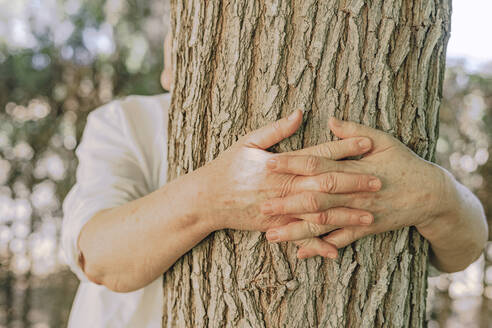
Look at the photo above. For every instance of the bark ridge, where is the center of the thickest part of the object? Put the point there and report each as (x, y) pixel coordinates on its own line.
(240, 64)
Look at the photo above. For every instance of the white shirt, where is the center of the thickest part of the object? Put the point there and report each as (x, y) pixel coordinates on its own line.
(122, 156)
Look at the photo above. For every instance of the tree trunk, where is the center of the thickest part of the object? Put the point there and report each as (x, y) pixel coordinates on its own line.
(241, 64)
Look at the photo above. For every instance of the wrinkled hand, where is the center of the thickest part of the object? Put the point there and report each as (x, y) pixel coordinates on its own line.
(237, 182)
(410, 196)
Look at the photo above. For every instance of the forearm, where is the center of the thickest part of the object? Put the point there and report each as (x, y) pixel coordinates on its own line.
(459, 233)
(127, 247)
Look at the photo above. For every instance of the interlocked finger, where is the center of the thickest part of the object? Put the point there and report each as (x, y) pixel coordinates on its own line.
(302, 165)
(347, 129)
(273, 133)
(339, 216)
(302, 203)
(315, 246)
(338, 149)
(346, 236)
(297, 231)
(337, 183)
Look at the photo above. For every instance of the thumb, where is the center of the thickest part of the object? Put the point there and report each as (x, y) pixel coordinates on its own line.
(348, 129)
(275, 132)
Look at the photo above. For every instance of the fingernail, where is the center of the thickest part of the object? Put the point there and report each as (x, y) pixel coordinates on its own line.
(364, 144)
(292, 116)
(266, 208)
(375, 184)
(336, 122)
(366, 219)
(272, 164)
(272, 235)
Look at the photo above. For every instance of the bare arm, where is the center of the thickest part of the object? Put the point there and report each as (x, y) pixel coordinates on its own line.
(415, 193)
(458, 232)
(127, 247)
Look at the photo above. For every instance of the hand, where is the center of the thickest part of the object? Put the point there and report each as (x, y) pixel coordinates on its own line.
(233, 186)
(410, 196)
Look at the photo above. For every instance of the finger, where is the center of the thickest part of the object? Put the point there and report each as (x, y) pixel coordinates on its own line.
(301, 165)
(275, 132)
(315, 246)
(301, 203)
(340, 217)
(346, 236)
(297, 231)
(339, 149)
(337, 183)
(319, 224)
(305, 253)
(271, 222)
(347, 129)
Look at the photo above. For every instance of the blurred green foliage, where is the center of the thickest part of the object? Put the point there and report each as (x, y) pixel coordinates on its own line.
(58, 61)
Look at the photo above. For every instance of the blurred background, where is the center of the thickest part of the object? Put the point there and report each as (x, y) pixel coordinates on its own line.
(60, 59)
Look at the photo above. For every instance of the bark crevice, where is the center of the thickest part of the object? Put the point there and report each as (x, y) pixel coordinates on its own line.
(241, 64)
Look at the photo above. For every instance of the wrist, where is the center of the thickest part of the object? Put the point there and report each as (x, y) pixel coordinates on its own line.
(442, 202)
(200, 199)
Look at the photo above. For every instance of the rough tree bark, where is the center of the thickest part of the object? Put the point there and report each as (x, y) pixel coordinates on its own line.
(241, 64)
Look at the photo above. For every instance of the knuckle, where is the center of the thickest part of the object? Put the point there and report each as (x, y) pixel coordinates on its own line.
(328, 183)
(324, 218)
(314, 229)
(312, 164)
(327, 150)
(320, 218)
(287, 186)
(311, 202)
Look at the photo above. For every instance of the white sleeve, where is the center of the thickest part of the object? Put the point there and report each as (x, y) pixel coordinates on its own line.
(108, 175)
